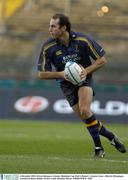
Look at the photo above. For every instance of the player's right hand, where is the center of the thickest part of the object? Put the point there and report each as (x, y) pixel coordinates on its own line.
(66, 77)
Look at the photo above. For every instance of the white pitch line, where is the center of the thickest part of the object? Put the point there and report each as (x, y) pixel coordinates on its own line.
(88, 159)
(65, 159)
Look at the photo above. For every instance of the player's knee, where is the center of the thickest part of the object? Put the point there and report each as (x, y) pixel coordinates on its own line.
(85, 112)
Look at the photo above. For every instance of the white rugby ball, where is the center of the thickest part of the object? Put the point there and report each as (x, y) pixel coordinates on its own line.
(73, 70)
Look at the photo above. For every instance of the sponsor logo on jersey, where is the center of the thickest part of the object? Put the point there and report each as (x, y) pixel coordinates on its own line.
(72, 57)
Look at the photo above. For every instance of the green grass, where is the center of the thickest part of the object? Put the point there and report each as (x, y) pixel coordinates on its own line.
(56, 147)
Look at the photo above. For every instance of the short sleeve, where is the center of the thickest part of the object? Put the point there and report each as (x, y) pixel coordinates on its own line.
(95, 50)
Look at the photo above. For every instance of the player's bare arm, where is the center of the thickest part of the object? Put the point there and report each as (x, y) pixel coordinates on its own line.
(50, 75)
(95, 66)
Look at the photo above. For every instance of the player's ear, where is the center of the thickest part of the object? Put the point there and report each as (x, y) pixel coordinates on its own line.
(63, 28)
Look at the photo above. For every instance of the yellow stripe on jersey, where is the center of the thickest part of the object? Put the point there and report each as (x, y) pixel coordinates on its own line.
(44, 54)
(89, 44)
(44, 61)
(92, 123)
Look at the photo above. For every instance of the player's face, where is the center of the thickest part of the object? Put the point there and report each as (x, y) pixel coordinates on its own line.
(54, 29)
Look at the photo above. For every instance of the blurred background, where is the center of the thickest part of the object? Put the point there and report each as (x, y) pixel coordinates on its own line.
(23, 28)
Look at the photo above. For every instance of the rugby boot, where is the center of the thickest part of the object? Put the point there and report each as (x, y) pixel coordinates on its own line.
(99, 152)
(118, 144)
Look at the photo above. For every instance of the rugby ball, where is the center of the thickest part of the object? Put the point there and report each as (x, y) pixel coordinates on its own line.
(73, 71)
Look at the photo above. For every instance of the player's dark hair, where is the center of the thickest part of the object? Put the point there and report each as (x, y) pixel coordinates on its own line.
(63, 21)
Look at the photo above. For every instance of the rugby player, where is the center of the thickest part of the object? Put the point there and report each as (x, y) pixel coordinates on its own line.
(65, 45)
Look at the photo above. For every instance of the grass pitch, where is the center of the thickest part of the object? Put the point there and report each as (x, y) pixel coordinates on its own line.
(56, 147)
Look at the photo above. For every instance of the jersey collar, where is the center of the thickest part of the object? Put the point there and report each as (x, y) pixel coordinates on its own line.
(72, 36)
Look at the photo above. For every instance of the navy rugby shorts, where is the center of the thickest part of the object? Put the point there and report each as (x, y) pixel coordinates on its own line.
(70, 91)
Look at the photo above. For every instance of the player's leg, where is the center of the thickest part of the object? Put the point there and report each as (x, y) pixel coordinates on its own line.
(71, 94)
(82, 109)
(112, 138)
(105, 132)
(85, 95)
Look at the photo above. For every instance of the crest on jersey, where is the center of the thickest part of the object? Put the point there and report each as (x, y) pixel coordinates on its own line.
(58, 53)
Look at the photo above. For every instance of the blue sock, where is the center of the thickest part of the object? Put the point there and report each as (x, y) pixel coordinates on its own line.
(105, 132)
(93, 128)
